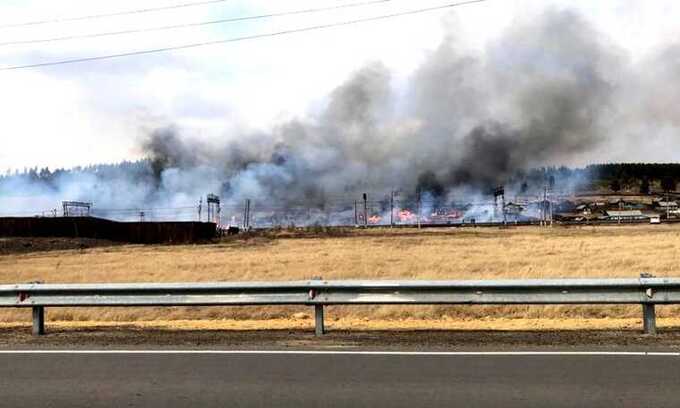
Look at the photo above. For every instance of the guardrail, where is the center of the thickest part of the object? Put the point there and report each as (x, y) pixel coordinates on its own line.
(646, 291)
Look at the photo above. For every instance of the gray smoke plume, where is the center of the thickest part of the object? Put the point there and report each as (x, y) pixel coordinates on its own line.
(538, 95)
(548, 91)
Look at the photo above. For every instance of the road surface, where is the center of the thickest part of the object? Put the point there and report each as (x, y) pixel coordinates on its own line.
(326, 379)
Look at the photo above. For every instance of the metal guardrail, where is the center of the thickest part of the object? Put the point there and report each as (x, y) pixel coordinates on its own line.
(646, 291)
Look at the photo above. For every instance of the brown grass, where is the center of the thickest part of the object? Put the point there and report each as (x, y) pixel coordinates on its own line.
(354, 324)
(618, 251)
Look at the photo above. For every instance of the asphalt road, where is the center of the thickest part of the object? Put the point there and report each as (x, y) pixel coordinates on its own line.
(200, 379)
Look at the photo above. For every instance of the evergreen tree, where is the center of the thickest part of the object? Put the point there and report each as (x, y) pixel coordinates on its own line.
(644, 186)
(668, 183)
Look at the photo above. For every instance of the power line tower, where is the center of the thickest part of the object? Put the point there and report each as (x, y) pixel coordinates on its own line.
(214, 209)
(499, 192)
(76, 208)
(547, 207)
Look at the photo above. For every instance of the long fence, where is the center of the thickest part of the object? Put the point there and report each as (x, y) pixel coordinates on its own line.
(92, 227)
(317, 293)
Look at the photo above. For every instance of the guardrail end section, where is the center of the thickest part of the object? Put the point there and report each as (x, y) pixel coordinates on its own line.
(38, 320)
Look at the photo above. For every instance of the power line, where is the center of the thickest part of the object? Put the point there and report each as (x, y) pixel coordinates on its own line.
(198, 24)
(245, 38)
(116, 14)
(108, 210)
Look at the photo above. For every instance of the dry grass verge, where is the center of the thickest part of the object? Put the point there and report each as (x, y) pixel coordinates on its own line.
(362, 324)
(490, 253)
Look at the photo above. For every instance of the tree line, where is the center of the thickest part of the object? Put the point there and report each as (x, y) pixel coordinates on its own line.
(140, 170)
(642, 177)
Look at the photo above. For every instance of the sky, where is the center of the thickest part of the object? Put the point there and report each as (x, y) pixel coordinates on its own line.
(97, 112)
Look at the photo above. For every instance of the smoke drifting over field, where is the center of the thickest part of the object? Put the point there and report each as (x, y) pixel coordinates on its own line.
(538, 96)
(548, 90)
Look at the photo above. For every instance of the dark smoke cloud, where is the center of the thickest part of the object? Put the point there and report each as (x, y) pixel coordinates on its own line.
(305, 159)
(549, 91)
(540, 94)
(166, 149)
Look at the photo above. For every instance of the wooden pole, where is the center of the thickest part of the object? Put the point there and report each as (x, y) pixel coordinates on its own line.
(356, 215)
(392, 209)
(365, 210)
(418, 210)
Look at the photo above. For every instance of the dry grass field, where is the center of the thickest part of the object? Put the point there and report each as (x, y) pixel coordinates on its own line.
(483, 253)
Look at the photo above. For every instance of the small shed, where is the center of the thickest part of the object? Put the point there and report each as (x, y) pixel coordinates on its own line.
(667, 205)
(625, 215)
(513, 209)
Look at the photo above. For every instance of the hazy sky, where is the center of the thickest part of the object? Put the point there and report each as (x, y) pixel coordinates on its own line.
(97, 111)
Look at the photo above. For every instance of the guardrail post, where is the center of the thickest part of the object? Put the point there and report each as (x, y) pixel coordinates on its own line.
(319, 328)
(649, 318)
(38, 320)
(648, 309)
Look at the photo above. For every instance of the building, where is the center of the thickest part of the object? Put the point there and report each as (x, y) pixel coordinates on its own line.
(513, 209)
(565, 206)
(625, 215)
(584, 209)
(667, 205)
(570, 217)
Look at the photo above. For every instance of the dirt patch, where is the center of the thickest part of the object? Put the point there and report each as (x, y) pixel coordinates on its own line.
(20, 245)
(298, 333)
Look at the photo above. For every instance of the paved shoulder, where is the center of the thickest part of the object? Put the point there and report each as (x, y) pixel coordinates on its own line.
(284, 379)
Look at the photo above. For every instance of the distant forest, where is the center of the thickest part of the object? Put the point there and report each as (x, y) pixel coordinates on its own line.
(631, 177)
(141, 170)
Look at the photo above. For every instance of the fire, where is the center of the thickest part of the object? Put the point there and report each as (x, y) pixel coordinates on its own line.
(406, 216)
(374, 219)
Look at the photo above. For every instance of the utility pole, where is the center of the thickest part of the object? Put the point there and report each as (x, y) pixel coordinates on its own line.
(200, 208)
(246, 214)
(418, 209)
(549, 195)
(505, 221)
(545, 205)
(356, 215)
(365, 210)
(551, 212)
(392, 209)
